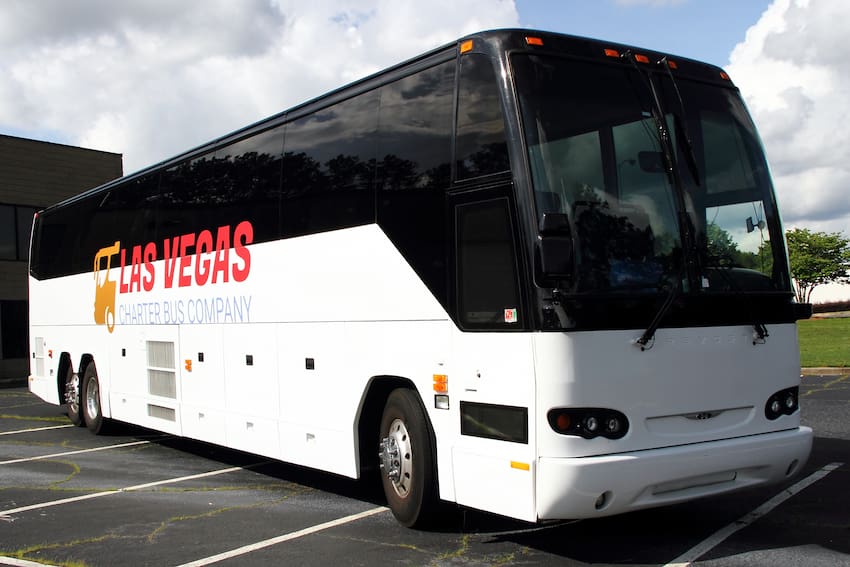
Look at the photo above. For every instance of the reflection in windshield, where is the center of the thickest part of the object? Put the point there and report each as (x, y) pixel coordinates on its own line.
(595, 157)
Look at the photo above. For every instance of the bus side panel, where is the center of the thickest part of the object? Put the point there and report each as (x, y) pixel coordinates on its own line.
(317, 391)
(54, 330)
(202, 391)
(144, 379)
(494, 374)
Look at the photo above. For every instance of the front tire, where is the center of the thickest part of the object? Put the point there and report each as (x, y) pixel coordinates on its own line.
(92, 411)
(408, 471)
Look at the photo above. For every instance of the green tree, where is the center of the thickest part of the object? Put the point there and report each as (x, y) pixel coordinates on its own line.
(817, 258)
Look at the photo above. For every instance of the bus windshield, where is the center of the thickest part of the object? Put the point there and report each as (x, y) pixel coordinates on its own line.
(599, 147)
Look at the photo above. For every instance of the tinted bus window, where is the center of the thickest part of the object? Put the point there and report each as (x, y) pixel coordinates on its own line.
(329, 167)
(415, 130)
(414, 141)
(488, 293)
(249, 181)
(481, 146)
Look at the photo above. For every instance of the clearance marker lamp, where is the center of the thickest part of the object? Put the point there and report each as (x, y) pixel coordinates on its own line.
(441, 387)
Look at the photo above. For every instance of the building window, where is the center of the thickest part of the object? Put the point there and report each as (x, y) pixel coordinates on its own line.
(13, 329)
(15, 228)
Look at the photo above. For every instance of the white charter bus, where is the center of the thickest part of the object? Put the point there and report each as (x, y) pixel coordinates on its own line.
(532, 274)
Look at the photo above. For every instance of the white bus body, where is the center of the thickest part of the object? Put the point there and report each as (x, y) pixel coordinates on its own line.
(292, 347)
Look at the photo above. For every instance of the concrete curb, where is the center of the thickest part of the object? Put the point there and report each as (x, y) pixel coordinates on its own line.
(825, 371)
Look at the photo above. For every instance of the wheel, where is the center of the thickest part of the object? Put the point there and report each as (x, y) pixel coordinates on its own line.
(73, 398)
(91, 401)
(407, 460)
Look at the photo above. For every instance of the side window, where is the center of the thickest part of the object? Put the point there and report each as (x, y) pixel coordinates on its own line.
(329, 167)
(188, 195)
(414, 169)
(488, 295)
(415, 130)
(481, 146)
(248, 180)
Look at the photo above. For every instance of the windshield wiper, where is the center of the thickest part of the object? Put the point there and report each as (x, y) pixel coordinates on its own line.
(682, 125)
(648, 336)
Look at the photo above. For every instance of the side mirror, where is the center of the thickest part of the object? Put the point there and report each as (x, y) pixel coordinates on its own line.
(556, 246)
(802, 311)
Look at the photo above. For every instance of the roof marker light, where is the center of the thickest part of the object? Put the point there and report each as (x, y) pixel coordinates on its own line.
(641, 58)
(466, 46)
(533, 40)
(724, 76)
(612, 53)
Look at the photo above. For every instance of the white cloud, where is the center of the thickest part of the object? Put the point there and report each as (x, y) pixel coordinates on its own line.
(151, 78)
(795, 77)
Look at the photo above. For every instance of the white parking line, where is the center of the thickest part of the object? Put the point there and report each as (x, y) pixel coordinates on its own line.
(66, 453)
(35, 429)
(119, 491)
(285, 537)
(720, 535)
(21, 562)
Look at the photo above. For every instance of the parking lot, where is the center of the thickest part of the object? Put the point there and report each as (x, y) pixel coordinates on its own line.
(137, 497)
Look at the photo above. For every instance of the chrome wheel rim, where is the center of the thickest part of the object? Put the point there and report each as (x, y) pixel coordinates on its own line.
(398, 458)
(92, 399)
(72, 393)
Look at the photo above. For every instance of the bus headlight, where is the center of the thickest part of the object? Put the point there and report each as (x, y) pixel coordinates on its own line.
(588, 422)
(784, 402)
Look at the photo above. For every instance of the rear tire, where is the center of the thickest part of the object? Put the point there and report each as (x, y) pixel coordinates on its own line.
(92, 411)
(408, 471)
(74, 398)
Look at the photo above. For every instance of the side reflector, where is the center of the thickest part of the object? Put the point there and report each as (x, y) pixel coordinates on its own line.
(520, 466)
(441, 383)
(466, 46)
(531, 40)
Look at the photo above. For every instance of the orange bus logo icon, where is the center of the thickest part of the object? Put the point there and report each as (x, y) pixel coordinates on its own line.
(104, 288)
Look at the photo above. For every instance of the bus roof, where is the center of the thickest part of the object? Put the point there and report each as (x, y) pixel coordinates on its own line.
(490, 41)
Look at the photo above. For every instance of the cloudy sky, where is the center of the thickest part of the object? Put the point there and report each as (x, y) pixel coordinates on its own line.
(151, 78)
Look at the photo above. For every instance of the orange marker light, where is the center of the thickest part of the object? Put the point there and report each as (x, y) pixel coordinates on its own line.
(441, 383)
(672, 64)
(612, 53)
(466, 46)
(531, 40)
(188, 365)
(641, 58)
(724, 76)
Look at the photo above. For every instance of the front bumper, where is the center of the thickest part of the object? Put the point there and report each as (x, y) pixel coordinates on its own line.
(589, 487)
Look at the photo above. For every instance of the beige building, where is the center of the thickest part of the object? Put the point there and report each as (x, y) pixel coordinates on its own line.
(34, 175)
